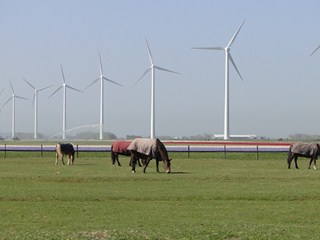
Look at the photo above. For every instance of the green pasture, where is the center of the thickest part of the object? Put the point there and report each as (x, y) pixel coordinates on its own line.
(205, 197)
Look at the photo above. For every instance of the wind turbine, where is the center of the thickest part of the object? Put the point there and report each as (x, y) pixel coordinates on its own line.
(13, 98)
(152, 68)
(102, 78)
(35, 104)
(228, 58)
(64, 86)
(315, 50)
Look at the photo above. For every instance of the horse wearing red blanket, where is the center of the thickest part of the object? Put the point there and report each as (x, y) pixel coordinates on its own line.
(120, 148)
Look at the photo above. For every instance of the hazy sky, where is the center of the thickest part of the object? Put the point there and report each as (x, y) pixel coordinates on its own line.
(278, 97)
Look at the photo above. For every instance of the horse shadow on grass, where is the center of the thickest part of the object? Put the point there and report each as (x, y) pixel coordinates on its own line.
(179, 173)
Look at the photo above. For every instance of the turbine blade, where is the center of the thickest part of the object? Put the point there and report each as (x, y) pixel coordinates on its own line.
(141, 76)
(55, 91)
(6, 102)
(29, 84)
(91, 84)
(208, 48)
(166, 70)
(101, 70)
(315, 50)
(149, 51)
(73, 88)
(44, 88)
(235, 35)
(33, 99)
(233, 63)
(106, 79)
(63, 78)
(11, 86)
(21, 97)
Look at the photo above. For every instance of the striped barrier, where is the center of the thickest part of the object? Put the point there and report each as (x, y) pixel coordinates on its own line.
(170, 147)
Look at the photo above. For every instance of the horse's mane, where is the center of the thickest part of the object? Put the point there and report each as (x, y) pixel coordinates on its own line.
(162, 150)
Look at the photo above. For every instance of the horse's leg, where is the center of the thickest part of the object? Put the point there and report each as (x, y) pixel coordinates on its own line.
(62, 159)
(57, 158)
(72, 158)
(290, 157)
(139, 162)
(113, 159)
(314, 163)
(157, 165)
(117, 159)
(296, 161)
(146, 164)
(133, 162)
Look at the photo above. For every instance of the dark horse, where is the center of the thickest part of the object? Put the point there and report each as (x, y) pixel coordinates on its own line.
(148, 149)
(65, 149)
(120, 148)
(307, 150)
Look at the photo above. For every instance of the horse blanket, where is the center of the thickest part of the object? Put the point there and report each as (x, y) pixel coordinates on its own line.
(306, 149)
(120, 147)
(66, 148)
(145, 146)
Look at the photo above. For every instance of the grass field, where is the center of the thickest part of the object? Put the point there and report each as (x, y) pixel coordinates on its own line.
(205, 197)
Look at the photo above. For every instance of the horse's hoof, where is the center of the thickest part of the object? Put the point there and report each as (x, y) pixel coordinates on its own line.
(133, 172)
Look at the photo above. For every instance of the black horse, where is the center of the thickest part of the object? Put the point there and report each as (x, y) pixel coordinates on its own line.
(148, 149)
(307, 150)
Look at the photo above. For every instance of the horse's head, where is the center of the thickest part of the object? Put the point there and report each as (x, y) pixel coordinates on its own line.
(164, 156)
(167, 165)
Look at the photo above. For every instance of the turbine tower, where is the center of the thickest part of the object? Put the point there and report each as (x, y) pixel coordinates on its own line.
(153, 68)
(102, 78)
(64, 86)
(13, 98)
(35, 104)
(228, 58)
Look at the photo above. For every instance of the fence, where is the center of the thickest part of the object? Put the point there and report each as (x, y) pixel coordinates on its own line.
(186, 148)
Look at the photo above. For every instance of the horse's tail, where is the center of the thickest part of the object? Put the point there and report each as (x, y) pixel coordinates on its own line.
(289, 154)
(113, 155)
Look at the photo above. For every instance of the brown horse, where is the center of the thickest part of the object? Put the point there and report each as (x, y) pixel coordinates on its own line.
(148, 149)
(120, 148)
(307, 150)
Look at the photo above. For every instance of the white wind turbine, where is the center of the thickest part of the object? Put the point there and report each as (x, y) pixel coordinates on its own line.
(13, 98)
(35, 104)
(64, 86)
(153, 68)
(102, 78)
(228, 58)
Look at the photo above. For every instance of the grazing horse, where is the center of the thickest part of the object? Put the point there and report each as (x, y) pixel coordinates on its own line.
(307, 150)
(148, 149)
(120, 148)
(65, 149)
